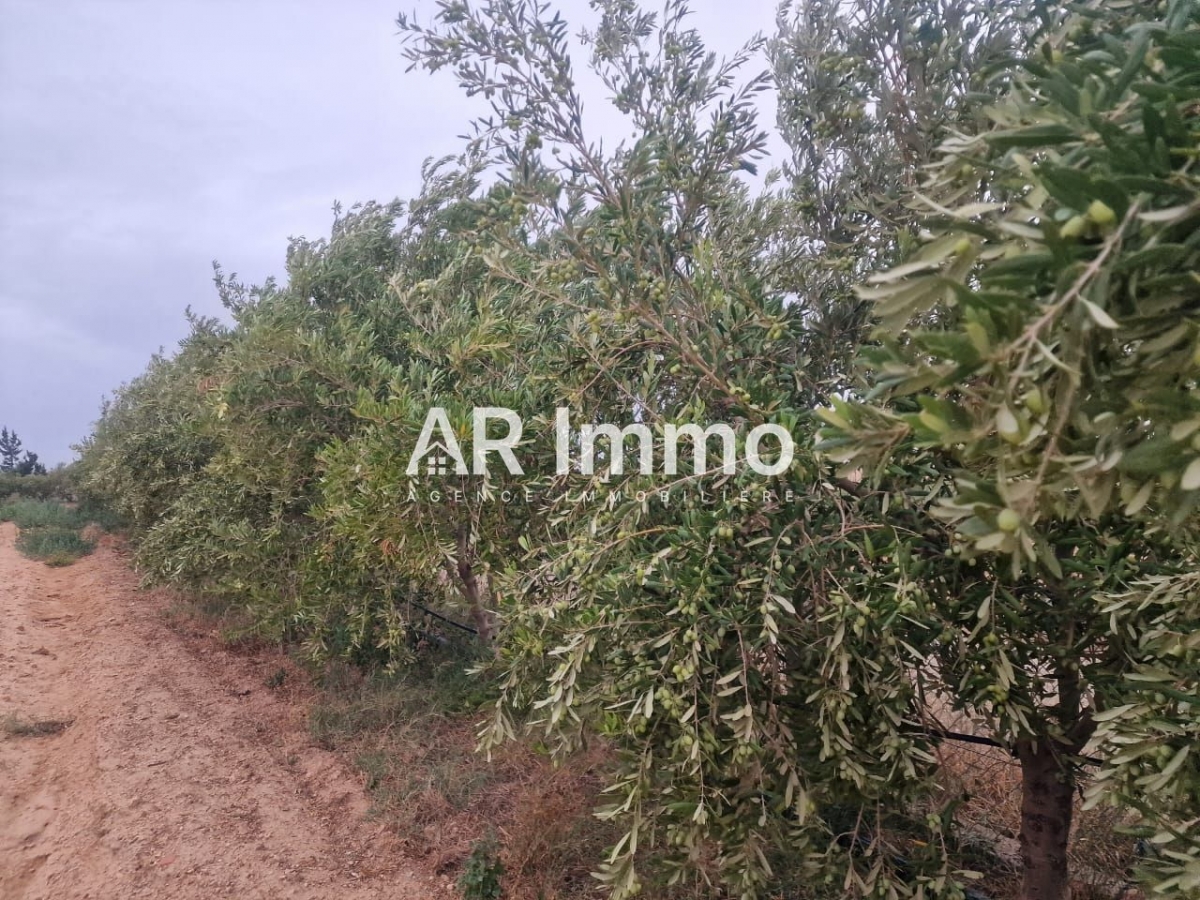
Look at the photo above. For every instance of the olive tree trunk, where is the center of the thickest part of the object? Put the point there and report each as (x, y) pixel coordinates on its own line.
(1047, 792)
(1048, 767)
(472, 590)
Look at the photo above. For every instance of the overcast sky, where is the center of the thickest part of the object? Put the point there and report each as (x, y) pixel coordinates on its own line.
(142, 139)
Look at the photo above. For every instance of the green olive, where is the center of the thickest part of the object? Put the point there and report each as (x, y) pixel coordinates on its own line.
(1101, 213)
(1074, 228)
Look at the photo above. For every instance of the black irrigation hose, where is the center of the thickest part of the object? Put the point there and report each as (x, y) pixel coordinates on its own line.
(441, 618)
(985, 741)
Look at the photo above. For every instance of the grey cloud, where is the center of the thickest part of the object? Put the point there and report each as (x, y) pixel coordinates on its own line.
(141, 140)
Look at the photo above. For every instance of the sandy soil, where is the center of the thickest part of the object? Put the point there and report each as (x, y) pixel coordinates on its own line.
(181, 775)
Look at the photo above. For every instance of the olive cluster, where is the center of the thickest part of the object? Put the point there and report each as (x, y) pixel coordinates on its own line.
(653, 289)
(510, 210)
(563, 271)
(1098, 220)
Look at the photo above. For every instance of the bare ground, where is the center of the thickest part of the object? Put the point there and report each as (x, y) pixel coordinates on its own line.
(180, 775)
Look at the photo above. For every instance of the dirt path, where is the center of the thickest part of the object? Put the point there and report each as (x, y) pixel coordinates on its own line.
(181, 775)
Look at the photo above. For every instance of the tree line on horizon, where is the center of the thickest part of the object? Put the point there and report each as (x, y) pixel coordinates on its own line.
(11, 460)
(969, 291)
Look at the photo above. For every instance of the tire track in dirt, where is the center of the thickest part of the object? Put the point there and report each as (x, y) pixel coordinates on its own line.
(181, 775)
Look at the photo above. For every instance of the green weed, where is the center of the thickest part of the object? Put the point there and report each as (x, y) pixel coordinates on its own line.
(40, 514)
(54, 546)
(48, 531)
(481, 877)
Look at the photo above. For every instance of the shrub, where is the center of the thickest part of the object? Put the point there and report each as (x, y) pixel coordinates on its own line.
(49, 531)
(481, 876)
(40, 514)
(55, 546)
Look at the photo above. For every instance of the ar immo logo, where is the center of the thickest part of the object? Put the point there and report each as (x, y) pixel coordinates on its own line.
(439, 450)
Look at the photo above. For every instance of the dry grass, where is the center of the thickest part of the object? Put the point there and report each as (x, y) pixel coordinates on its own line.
(551, 841)
(413, 737)
(92, 533)
(207, 615)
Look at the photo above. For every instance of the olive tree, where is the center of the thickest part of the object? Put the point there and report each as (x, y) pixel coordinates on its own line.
(866, 91)
(434, 522)
(1034, 409)
(697, 622)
